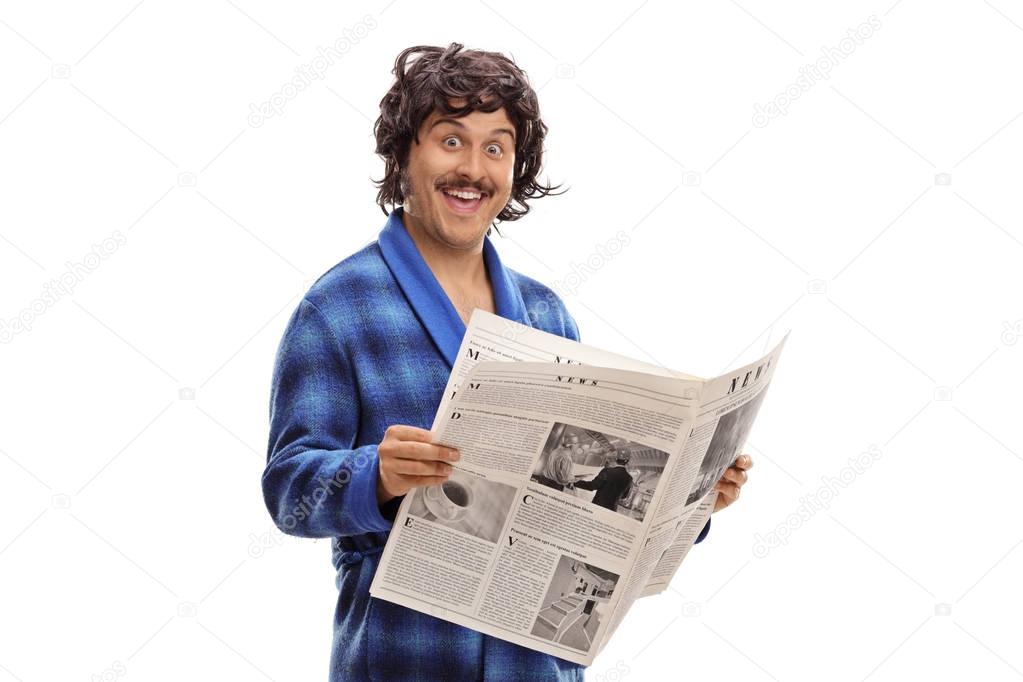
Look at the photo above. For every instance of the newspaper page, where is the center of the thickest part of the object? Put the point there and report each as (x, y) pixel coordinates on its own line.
(505, 546)
(729, 405)
(574, 483)
(684, 533)
(489, 337)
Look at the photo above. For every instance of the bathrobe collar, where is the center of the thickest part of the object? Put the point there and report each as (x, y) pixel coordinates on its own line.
(425, 294)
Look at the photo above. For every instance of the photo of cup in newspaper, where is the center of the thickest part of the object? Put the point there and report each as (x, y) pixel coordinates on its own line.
(575, 604)
(465, 503)
(448, 501)
(726, 444)
(600, 468)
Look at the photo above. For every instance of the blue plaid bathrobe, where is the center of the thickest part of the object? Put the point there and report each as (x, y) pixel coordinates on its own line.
(372, 344)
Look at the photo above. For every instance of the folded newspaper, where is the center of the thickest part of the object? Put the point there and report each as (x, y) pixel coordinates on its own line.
(584, 480)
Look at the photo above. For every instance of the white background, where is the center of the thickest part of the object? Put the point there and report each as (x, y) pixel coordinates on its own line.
(878, 219)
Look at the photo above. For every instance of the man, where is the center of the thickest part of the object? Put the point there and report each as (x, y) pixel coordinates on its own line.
(367, 353)
(554, 468)
(612, 483)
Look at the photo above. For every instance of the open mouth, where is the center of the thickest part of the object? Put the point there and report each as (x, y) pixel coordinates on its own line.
(463, 201)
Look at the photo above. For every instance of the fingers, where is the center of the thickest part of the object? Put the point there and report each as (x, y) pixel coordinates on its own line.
(404, 432)
(415, 467)
(729, 490)
(729, 486)
(400, 484)
(399, 475)
(409, 459)
(418, 450)
(735, 476)
(411, 442)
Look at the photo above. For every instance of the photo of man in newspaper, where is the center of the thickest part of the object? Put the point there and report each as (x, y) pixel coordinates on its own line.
(574, 605)
(465, 503)
(621, 475)
(729, 437)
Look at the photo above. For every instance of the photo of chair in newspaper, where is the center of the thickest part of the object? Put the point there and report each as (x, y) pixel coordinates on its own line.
(609, 471)
(466, 503)
(729, 436)
(575, 604)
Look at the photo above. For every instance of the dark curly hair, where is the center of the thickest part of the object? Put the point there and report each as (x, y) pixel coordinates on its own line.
(429, 78)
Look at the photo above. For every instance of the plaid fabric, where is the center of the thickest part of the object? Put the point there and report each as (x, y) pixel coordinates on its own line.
(372, 344)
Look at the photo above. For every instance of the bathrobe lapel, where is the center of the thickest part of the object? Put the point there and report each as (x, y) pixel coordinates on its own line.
(426, 296)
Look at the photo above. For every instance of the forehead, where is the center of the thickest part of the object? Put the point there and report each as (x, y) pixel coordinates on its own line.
(476, 121)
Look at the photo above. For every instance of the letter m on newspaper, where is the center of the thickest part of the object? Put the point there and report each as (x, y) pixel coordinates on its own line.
(584, 480)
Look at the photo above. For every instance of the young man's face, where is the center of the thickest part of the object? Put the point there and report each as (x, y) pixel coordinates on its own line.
(473, 155)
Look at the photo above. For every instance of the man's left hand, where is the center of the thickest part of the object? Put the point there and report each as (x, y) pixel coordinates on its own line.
(731, 482)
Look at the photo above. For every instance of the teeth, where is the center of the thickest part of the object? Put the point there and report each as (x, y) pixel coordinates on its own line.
(462, 194)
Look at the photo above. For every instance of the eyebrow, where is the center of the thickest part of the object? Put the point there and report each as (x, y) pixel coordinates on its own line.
(459, 124)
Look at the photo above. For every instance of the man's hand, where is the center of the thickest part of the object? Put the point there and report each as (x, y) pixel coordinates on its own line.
(731, 482)
(409, 459)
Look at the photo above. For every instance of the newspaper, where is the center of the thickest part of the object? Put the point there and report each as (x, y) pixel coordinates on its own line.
(584, 480)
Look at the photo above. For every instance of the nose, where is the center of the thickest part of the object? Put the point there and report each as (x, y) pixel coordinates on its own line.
(470, 165)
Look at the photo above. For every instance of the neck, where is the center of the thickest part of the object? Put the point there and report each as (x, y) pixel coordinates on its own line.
(463, 268)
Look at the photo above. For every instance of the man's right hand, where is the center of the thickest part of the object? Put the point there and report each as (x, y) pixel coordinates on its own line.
(409, 459)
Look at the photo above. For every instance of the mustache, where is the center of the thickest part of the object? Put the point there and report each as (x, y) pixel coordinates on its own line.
(462, 184)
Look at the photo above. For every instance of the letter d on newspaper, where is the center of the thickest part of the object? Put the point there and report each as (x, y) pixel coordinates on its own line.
(584, 480)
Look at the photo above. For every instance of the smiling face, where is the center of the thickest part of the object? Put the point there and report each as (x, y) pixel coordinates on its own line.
(459, 177)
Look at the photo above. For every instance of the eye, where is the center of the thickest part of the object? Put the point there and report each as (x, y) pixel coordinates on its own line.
(451, 138)
(494, 149)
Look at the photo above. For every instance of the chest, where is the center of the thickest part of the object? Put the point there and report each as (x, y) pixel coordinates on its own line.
(466, 298)
(400, 376)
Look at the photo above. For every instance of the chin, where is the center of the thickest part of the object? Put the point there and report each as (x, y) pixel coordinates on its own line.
(462, 230)
(462, 234)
